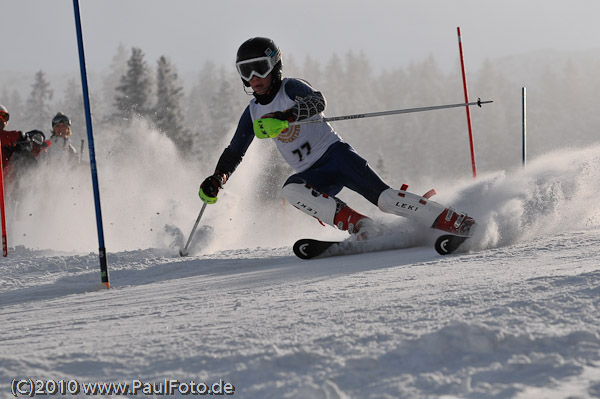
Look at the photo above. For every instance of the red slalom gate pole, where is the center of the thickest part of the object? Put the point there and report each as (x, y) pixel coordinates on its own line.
(2, 210)
(464, 78)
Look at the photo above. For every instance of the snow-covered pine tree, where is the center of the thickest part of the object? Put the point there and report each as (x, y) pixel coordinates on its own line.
(199, 98)
(37, 108)
(168, 114)
(13, 101)
(72, 106)
(135, 89)
(118, 68)
(222, 114)
(313, 72)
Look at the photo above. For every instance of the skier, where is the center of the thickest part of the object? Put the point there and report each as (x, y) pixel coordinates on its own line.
(19, 150)
(61, 140)
(323, 162)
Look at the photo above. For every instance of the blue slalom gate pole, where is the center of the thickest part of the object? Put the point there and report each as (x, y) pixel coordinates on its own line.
(524, 122)
(88, 119)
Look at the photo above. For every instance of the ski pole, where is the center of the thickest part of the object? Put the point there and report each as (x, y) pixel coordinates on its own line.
(81, 151)
(393, 112)
(271, 127)
(184, 250)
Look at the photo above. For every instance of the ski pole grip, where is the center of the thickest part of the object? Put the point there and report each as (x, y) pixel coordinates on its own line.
(268, 128)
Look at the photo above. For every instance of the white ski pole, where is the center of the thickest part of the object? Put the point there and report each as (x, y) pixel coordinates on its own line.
(81, 151)
(393, 112)
(184, 251)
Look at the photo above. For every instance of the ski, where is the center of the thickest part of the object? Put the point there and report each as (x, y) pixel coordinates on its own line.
(445, 244)
(448, 243)
(308, 248)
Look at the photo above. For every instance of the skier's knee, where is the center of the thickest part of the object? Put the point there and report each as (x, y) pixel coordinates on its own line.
(294, 179)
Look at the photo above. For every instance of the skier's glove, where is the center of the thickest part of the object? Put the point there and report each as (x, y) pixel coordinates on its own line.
(209, 189)
(24, 142)
(36, 136)
(272, 124)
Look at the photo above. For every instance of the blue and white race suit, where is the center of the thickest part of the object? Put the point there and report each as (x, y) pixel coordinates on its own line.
(316, 151)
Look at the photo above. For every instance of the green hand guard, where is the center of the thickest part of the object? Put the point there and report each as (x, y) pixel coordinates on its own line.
(268, 128)
(205, 198)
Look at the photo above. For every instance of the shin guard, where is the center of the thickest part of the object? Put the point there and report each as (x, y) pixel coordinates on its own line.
(430, 213)
(402, 203)
(311, 202)
(327, 209)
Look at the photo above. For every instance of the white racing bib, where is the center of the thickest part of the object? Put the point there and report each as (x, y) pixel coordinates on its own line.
(301, 146)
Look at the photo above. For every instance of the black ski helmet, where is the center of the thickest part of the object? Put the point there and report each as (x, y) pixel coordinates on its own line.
(260, 47)
(61, 118)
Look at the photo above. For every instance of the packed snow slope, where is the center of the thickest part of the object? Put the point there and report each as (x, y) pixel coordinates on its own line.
(515, 316)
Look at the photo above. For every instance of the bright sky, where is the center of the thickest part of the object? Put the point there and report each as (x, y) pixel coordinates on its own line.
(40, 34)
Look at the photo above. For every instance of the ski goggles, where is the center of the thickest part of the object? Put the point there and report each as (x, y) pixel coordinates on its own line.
(260, 67)
(61, 119)
(4, 116)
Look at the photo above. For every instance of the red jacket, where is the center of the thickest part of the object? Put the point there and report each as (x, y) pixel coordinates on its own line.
(8, 140)
(8, 143)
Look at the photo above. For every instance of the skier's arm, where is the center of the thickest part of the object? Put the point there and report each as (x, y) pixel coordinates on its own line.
(308, 102)
(229, 159)
(12, 137)
(233, 154)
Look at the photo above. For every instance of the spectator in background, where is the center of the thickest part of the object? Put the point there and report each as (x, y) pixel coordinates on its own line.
(61, 139)
(19, 148)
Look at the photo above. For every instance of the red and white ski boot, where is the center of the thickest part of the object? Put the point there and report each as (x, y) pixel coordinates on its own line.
(454, 222)
(357, 224)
